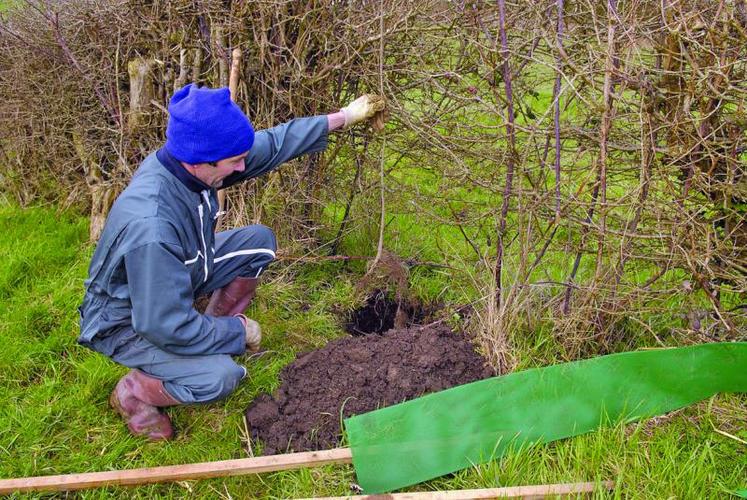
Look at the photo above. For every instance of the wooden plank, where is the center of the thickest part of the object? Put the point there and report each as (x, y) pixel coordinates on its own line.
(534, 491)
(183, 472)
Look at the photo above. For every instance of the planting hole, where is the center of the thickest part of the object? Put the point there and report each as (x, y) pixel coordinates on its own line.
(381, 313)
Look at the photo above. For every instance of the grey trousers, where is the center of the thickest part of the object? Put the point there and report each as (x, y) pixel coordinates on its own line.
(245, 251)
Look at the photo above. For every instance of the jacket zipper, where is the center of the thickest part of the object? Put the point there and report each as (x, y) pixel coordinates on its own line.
(204, 246)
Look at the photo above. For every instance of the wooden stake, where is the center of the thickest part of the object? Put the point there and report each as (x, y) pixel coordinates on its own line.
(233, 83)
(184, 472)
(535, 491)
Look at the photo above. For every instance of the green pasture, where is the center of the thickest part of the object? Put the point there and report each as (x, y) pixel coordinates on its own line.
(54, 416)
(54, 412)
(7, 4)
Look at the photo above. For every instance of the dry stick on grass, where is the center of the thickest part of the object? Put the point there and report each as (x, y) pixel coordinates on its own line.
(170, 473)
(255, 465)
(533, 491)
(409, 263)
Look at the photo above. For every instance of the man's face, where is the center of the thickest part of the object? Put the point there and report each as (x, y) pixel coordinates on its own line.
(213, 174)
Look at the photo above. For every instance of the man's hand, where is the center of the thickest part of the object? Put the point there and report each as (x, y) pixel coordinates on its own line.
(253, 333)
(363, 108)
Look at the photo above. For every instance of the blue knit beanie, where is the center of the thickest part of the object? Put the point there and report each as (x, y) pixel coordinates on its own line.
(205, 125)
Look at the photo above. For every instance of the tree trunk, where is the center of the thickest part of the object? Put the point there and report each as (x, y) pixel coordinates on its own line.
(102, 193)
(141, 93)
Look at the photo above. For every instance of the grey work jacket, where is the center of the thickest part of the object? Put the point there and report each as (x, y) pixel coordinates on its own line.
(157, 248)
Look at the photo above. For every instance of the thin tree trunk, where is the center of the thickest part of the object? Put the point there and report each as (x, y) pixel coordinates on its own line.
(181, 80)
(349, 204)
(141, 93)
(510, 133)
(197, 65)
(604, 132)
(648, 155)
(222, 55)
(556, 104)
(576, 263)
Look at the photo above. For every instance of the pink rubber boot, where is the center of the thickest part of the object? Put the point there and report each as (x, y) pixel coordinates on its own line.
(233, 298)
(137, 398)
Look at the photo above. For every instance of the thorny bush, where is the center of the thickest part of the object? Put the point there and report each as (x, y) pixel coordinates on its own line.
(590, 154)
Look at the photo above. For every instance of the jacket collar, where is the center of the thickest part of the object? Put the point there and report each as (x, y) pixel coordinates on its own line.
(175, 167)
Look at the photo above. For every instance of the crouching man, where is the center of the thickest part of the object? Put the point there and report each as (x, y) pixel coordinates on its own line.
(158, 251)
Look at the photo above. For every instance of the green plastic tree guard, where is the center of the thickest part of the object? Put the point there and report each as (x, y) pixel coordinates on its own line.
(474, 423)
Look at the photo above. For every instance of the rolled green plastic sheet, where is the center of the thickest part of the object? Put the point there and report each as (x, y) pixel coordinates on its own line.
(474, 423)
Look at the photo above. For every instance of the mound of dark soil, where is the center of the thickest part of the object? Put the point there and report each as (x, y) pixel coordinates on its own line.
(355, 375)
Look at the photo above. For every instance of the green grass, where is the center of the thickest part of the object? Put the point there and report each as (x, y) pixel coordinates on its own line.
(54, 416)
(7, 4)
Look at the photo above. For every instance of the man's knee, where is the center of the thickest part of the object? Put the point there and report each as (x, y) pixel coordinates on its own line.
(227, 381)
(244, 252)
(262, 237)
(222, 379)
